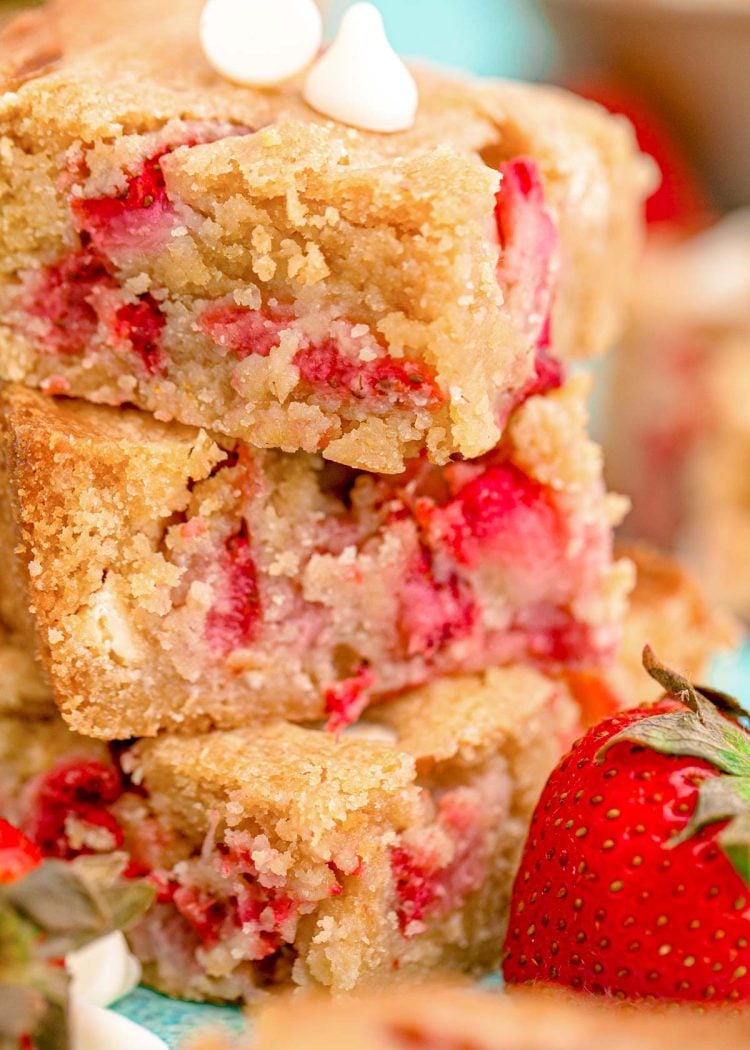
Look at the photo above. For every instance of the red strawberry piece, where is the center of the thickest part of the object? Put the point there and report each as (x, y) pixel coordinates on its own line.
(347, 699)
(434, 612)
(61, 295)
(635, 880)
(145, 191)
(530, 257)
(245, 332)
(18, 855)
(325, 368)
(81, 790)
(141, 324)
(205, 913)
(500, 509)
(235, 616)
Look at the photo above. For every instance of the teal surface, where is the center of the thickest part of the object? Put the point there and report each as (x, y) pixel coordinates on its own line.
(492, 37)
(174, 1021)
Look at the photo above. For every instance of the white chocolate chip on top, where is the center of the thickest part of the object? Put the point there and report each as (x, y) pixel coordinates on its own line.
(360, 80)
(260, 42)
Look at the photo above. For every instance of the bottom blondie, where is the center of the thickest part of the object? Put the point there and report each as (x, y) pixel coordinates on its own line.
(455, 1018)
(283, 856)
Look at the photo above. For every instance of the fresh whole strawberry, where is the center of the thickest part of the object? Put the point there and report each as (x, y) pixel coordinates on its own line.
(635, 880)
(18, 855)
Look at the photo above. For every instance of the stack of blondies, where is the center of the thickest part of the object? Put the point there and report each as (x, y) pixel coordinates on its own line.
(300, 516)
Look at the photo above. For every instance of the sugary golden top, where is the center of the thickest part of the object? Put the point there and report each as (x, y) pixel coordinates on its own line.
(302, 782)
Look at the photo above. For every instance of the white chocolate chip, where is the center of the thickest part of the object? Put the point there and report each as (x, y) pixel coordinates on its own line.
(94, 1028)
(260, 42)
(360, 80)
(104, 971)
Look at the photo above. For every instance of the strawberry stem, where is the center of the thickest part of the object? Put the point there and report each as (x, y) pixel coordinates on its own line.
(706, 728)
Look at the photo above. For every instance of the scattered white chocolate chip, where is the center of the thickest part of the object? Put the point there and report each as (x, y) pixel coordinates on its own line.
(104, 971)
(360, 80)
(94, 1028)
(260, 42)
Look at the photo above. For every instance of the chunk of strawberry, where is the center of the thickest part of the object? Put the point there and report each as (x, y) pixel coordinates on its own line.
(346, 700)
(18, 854)
(139, 217)
(530, 258)
(433, 613)
(141, 324)
(501, 510)
(326, 369)
(80, 791)
(245, 332)
(234, 618)
(61, 295)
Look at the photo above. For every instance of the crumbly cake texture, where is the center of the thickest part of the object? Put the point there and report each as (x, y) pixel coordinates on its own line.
(448, 1017)
(180, 582)
(679, 445)
(670, 611)
(230, 259)
(284, 856)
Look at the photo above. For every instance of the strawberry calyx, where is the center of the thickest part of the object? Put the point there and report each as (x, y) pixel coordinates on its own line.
(707, 727)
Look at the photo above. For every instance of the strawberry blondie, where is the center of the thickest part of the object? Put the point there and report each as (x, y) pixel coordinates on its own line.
(178, 581)
(454, 1017)
(228, 258)
(680, 444)
(284, 856)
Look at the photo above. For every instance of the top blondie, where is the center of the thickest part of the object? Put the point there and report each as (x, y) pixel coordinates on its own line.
(229, 258)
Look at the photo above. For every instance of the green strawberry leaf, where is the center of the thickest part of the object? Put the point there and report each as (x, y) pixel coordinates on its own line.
(735, 841)
(57, 907)
(707, 729)
(719, 798)
(75, 902)
(26, 1011)
(703, 733)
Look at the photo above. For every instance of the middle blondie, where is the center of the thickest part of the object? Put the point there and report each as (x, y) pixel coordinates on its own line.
(179, 581)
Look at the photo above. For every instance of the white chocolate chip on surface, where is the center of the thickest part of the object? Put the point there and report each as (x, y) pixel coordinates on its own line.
(103, 971)
(360, 80)
(94, 1028)
(260, 42)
